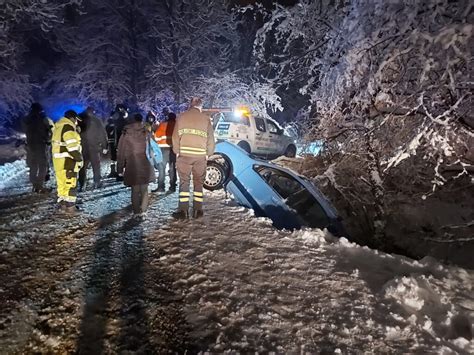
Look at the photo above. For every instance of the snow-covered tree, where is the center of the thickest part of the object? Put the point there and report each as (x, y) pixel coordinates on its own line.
(107, 51)
(193, 38)
(389, 87)
(231, 89)
(19, 19)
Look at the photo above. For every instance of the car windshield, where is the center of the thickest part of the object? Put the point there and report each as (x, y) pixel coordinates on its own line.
(296, 196)
(230, 117)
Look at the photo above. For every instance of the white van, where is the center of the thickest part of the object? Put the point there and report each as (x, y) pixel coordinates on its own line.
(256, 135)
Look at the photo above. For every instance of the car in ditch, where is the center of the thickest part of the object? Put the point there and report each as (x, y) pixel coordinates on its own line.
(291, 201)
(258, 135)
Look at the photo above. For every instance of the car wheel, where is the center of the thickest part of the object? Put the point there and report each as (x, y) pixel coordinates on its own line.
(244, 145)
(290, 152)
(215, 176)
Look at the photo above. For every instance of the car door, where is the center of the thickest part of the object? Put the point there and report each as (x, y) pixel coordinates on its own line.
(303, 207)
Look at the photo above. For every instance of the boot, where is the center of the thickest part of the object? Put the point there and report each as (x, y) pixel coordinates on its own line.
(198, 213)
(69, 208)
(113, 172)
(44, 190)
(180, 214)
(97, 185)
(159, 189)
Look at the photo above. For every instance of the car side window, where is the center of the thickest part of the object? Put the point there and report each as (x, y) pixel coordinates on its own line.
(272, 128)
(260, 124)
(295, 196)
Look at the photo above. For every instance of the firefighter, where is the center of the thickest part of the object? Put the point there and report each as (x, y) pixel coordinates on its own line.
(38, 134)
(114, 128)
(192, 142)
(94, 143)
(163, 136)
(67, 159)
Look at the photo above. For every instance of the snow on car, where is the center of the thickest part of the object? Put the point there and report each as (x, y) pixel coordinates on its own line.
(256, 135)
(289, 200)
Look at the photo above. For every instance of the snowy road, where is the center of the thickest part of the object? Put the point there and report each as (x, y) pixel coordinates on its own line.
(107, 283)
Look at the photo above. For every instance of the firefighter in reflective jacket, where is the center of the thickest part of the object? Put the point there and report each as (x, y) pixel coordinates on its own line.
(192, 142)
(67, 159)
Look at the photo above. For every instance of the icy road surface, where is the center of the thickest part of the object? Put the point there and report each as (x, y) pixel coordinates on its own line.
(104, 282)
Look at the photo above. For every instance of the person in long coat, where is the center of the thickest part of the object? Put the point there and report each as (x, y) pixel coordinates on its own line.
(38, 135)
(94, 143)
(133, 164)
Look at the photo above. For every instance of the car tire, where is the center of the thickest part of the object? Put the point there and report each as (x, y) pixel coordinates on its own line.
(290, 151)
(244, 145)
(215, 176)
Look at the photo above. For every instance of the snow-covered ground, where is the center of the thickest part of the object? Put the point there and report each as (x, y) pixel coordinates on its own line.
(105, 282)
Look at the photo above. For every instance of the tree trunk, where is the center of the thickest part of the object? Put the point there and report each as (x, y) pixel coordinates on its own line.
(377, 192)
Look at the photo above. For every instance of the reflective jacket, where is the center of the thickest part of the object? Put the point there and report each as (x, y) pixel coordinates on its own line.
(66, 146)
(164, 134)
(193, 135)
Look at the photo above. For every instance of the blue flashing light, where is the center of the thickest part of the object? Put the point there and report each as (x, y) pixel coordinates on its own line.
(56, 110)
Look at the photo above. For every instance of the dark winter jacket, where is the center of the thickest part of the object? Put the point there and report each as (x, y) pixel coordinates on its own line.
(115, 126)
(131, 159)
(37, 130)
(93, 135)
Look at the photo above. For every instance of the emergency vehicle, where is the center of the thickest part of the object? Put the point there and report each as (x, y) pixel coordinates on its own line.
(254, 134)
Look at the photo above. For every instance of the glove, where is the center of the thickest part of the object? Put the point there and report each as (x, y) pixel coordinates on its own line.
(104, 151)
(119, 178)
(70, 174)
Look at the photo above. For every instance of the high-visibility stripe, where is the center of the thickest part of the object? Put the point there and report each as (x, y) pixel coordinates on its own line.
(196, 132)
(184, 199)
(192, 153)
(62, 155)
(67, 198)
(195, 149)
(163, 145)
(198, 193)
(72, 149)
(163, 137)
(61, 144)
(198, 199)
(183, 193)
(69, 141)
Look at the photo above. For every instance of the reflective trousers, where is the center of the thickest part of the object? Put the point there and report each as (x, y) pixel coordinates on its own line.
(197, 167)
(66, 182)
(168, 158)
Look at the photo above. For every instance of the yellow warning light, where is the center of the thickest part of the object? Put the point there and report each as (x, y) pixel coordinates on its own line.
(241, 111)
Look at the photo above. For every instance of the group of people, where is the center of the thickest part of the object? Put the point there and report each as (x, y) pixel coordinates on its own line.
(78, 140)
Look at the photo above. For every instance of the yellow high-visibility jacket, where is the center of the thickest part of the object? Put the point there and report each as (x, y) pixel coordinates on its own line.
(66, 146)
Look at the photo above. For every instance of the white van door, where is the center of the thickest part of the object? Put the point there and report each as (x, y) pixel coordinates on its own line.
(275, 138)
(261, 139)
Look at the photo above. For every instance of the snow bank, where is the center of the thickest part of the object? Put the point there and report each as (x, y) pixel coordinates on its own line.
(9, 171)
(420, 294)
